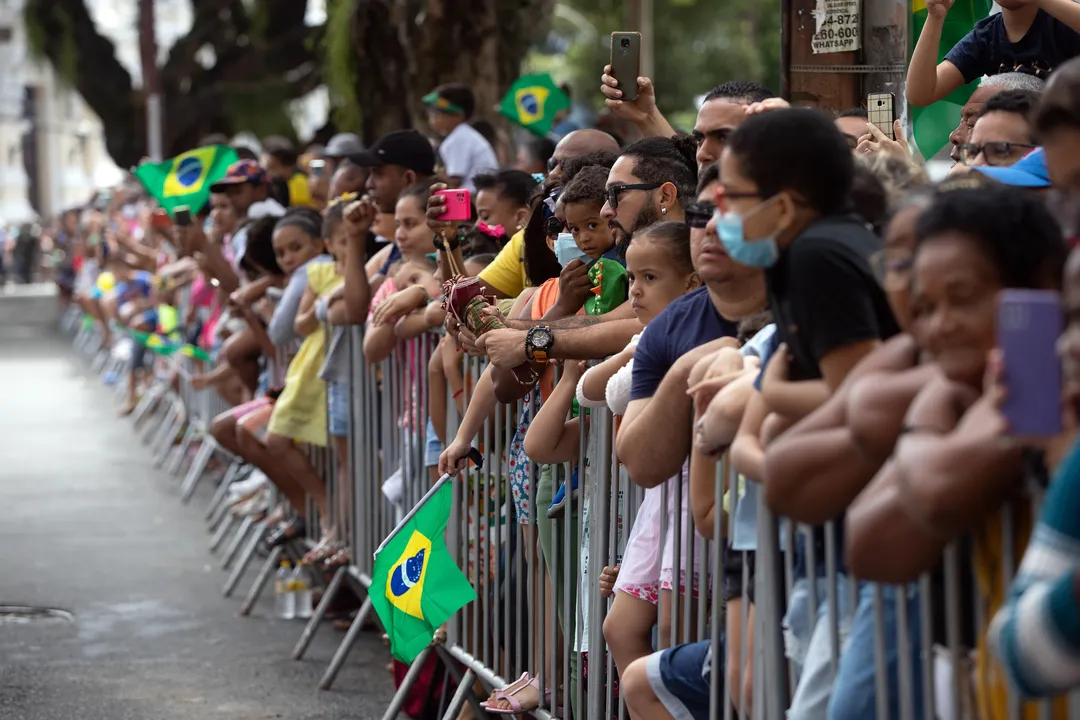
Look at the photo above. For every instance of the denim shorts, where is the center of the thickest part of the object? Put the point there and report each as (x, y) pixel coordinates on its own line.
(434, 448)
(681, 678)
(337, 400)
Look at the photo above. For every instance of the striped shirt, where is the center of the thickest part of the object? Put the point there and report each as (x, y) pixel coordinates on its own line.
(1036, 633)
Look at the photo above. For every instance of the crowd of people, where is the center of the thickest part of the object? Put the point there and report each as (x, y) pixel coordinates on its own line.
(781, 294)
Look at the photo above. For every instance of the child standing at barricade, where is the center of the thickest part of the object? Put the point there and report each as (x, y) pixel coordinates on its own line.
(299, 412)
(660, 270)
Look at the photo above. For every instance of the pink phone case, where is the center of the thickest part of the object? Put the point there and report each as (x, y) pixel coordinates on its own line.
(458, 207)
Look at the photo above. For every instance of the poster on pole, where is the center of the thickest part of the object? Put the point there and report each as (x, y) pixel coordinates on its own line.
(836, 26)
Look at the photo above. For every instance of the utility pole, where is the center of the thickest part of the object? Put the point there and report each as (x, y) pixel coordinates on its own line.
(639, 17)
(151, 80)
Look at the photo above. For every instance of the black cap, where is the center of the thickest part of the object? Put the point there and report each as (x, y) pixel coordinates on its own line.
(406, 148)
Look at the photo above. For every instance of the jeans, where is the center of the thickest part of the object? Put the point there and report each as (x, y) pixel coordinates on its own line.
(808, 643)
(855, 693)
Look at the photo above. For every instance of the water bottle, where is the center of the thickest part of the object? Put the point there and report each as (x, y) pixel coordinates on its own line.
(302, 593)
(284, 598)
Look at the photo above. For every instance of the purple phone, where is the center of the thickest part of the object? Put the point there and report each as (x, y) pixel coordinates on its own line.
(1029, 324)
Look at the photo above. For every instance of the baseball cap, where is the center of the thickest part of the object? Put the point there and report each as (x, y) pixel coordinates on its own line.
(453, 98)
(406, 148)
(1028, 172)
(241, 171)
(343, 145)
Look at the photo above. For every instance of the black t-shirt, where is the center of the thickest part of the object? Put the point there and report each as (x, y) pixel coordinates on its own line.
(986, 50)
(823, 294)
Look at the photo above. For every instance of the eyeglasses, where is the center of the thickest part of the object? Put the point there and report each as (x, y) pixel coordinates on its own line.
(553, 226)
(698, 214)
(615, 191)
(892, 264)
(996, 153)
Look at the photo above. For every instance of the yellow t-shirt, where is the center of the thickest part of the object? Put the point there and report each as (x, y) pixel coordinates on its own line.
(506, 273)
(299, 192)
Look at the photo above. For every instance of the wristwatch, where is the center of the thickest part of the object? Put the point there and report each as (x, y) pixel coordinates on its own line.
(538, 342)
(453, 243)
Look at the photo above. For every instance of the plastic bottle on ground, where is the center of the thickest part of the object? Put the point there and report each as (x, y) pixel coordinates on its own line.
(302, 593)
(284, 597)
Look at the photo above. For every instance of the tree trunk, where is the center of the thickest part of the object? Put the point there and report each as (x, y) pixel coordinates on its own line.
(404, 48)
(263, 60)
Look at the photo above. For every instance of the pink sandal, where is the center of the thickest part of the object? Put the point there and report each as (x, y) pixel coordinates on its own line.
(509, 694)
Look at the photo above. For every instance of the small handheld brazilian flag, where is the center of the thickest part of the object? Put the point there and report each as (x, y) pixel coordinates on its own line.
(415, 584)
(533, 101)
(186, 179)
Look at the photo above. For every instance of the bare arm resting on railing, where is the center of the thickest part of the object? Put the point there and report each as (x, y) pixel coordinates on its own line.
(955, 468)
(654, 438)
(552, 438)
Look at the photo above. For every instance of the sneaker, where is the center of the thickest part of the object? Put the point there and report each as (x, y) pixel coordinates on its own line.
(242, 488)
(558, 503)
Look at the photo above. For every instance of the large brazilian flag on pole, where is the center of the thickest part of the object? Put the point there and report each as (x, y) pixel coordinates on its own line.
(186, 179)
(933, 124)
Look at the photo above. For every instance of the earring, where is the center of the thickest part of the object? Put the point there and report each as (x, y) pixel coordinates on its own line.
(663, 211)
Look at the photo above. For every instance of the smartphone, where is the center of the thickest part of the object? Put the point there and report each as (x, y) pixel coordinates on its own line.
(626, 62)
(317, 167)
(1029, 323)
(182, 213)
(160, 219)
(881, 111)
(458, 206)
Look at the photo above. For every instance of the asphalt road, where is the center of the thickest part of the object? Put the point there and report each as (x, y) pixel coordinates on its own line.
(87, 526)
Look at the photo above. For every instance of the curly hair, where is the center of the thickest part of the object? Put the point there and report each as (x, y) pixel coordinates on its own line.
(588, 186)
(1015, 230)
(663, 159)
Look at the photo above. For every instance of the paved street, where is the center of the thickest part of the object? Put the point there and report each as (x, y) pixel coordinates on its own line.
(87, 526)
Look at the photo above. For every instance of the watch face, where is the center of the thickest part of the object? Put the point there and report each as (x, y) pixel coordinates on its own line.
(542, 338)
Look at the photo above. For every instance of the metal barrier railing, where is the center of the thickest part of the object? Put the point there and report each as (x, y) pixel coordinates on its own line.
(815, 640)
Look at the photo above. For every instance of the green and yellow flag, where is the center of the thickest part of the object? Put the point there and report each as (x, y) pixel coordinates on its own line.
(932, 125)
(533, 101)
(415, 584)
(186, 179)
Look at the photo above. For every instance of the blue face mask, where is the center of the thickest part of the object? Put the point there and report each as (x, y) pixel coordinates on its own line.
(566, 250)
(761, 253)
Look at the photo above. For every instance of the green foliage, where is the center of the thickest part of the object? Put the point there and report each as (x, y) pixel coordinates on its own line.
(697, 45)
(68, 55)
(339, 70)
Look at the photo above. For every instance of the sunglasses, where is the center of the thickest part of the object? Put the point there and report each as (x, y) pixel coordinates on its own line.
(553, 226)
(698, 214)
(553, 163)
(615, 191)
(994, 152)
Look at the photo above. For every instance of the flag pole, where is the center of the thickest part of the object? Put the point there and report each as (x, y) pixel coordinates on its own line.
(473, 455)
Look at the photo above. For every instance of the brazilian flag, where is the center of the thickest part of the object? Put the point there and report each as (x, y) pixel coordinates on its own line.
(933, 124)
(186, 179)
(533, 101)
(415, 584)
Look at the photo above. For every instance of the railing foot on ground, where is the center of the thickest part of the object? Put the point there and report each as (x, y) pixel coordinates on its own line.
(320, 612)
(219, 502)
(242, 562)
(265, 573)
(236, 542)
(228, 519)
(346, 645)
